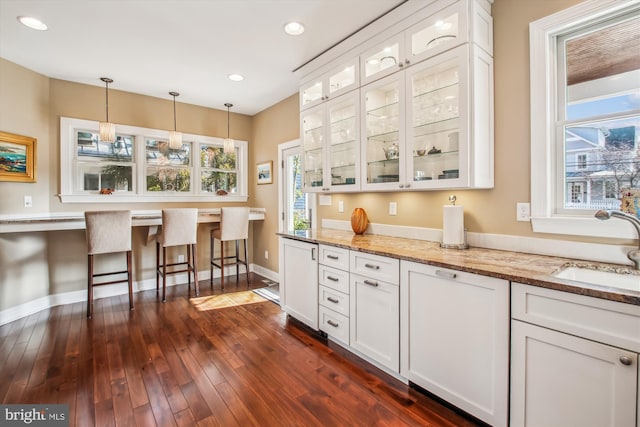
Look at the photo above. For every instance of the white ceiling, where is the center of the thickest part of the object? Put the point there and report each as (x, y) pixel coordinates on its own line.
(152, 47)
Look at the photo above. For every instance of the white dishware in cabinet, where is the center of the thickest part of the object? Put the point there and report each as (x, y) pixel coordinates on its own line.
(340, 80)
(331, 145)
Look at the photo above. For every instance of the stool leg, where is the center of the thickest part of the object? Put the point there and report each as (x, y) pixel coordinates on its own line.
(188, 271)
(129, 280)
(194, 247)
(213, 249)
(246, 261)
(221, 264)
(164, 274)
(237, 259)
(90, 286)
(157, 266)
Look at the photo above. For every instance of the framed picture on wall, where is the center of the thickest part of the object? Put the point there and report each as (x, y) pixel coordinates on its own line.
(265, 172)
(17, 158)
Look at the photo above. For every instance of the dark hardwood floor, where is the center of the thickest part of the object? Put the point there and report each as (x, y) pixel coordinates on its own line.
(223, 359)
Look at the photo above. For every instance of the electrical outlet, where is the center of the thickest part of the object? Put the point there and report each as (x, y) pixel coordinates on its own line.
(180, 258)
(523, 211)
(266, 254)
(28, 202)
(340, 206)
(393, 208)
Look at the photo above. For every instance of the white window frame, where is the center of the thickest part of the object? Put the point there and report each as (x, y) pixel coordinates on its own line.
(543, 89)
(68, 167)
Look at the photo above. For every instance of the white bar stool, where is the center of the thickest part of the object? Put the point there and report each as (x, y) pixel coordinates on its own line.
(179, 227)
(234, 226)
(108, 232)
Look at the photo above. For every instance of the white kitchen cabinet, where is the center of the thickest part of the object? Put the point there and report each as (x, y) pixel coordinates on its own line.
(329, 85)
(437, 132)
(455, 338)
(299, 280)
(574, 360)
(562, 380)
(374, 313)
(334, 293)
(331, 145)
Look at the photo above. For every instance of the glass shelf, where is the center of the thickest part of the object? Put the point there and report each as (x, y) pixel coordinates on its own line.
(435, 91)
(385, 137)
(385, 111)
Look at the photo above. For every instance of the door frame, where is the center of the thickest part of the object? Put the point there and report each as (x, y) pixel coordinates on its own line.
(295, 143)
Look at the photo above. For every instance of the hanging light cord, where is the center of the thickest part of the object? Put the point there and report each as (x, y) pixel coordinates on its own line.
(106, 81)
(228, 105)
(174, 94)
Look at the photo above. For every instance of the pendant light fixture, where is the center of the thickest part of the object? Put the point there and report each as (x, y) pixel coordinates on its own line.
(107, 130)
(229, 145)
(175, 137)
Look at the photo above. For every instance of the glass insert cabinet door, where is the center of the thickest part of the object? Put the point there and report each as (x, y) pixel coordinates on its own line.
(382, 60)
(344, 141)
(383, 105)
(436, 127)
(312, 126)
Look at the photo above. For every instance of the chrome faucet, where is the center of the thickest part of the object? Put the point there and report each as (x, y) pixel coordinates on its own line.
(634, 254)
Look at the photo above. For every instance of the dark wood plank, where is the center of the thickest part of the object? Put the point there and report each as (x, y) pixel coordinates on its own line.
(224, 359)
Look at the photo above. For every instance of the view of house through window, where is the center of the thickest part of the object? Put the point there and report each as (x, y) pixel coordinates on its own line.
(599, 112)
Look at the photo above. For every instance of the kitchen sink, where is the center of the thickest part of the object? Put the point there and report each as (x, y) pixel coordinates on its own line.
(621, 278)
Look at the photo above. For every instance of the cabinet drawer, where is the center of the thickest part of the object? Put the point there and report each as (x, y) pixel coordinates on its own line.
(600, 320)
(334, 278)
(334, 300)
(376, 267)
(334, 324)
(334, 257)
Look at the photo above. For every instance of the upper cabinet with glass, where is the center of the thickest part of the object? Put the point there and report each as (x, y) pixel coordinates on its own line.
(426, 96)
(330, 85)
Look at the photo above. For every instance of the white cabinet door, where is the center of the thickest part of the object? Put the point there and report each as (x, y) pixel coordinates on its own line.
(299, 280)
(455, 338)
(562, 380)
(374, 319)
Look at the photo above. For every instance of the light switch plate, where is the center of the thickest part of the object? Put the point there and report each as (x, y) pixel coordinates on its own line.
(523, 211)
(340, 206)
(393, 208)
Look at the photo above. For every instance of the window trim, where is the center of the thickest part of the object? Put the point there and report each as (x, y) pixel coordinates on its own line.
(140, 195)
(543, 90)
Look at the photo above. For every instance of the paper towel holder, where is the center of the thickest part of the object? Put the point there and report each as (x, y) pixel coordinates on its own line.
(464, 245)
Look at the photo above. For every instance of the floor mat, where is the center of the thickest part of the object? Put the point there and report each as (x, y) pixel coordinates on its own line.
(270, 292)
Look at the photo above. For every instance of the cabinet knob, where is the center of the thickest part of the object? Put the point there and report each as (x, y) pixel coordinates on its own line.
(401, 186)
(408, 185)
(400, 64)
(406, 61)
(625, 360)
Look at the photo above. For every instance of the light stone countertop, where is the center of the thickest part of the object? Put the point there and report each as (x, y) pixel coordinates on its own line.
(513, 266)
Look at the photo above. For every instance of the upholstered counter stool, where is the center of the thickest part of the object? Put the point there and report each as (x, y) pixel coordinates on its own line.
(179, 227)
(108, 232)
(234, 226)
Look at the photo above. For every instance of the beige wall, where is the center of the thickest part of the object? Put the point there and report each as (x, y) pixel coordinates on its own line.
(31, 104)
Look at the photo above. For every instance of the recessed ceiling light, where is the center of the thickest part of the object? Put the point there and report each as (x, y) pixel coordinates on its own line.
(294, 28)
(236, 77)
(32, 23)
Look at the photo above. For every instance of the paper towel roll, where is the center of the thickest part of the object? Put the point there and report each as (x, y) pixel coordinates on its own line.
(453, 225)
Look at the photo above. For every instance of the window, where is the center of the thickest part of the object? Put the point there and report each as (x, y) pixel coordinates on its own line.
(140, 166)
(585, 113)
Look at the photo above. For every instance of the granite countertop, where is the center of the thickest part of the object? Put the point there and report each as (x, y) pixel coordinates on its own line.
(513, 266)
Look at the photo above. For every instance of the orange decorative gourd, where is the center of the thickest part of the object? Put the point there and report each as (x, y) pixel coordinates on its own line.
(359, 220)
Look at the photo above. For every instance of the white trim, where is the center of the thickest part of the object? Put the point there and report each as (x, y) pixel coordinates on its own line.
(551, 247)
(72, 297)
(543, 87)
(281, 148)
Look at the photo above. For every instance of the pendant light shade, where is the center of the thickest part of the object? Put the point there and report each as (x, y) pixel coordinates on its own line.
(175, 137)
(107, 130)
(229, 144)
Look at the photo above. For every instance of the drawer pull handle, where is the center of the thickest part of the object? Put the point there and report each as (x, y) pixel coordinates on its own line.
(446, 274)
(333, 257)
(371, 283)
(372, 266)
(333, 300)
(332, 323)
(625, 360)
(333, 279)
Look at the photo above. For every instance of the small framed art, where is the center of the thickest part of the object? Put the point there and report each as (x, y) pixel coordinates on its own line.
(17, 158)
(265, 172)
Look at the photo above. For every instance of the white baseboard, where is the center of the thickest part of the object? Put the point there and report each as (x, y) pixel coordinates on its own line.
(597, 252)
(106, 291)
